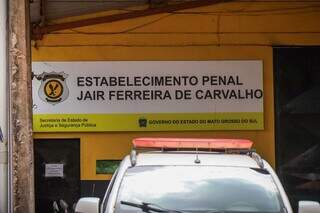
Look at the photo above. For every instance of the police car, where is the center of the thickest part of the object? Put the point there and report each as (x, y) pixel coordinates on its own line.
(193, 175)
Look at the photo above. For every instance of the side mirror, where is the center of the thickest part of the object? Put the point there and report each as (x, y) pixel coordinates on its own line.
(309, 207)
(88, 205)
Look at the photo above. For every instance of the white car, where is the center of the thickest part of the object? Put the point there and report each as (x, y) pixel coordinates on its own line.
(194, 176)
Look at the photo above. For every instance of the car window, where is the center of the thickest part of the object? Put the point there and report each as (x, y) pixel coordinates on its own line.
(197, 189)
(107, 194)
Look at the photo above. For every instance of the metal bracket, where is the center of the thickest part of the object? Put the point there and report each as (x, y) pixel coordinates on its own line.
(133, 157)
(255, 156)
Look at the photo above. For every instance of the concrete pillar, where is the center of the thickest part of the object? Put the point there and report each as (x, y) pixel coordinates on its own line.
(20, 106)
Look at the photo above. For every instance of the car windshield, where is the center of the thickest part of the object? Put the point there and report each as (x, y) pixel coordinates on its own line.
(197, 189)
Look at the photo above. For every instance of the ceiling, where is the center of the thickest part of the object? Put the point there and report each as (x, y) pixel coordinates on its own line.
(47, 10)
(43, 12)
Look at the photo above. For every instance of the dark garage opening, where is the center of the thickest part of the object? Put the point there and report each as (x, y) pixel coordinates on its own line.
(297, 116)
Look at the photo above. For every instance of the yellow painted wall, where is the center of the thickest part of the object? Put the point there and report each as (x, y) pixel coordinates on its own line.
(239, 30)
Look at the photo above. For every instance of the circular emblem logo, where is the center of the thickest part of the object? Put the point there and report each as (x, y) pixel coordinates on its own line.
(53, 89)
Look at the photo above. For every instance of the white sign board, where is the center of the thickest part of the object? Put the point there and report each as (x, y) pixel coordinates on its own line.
(54, 170)
(148, 96)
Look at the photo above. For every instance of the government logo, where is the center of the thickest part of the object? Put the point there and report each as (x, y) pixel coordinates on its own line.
(53, 88)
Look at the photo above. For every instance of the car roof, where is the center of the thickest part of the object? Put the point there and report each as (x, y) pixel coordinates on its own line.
(188, 159)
